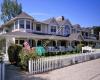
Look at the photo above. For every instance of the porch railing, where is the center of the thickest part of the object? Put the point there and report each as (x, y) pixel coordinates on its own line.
(60, 49)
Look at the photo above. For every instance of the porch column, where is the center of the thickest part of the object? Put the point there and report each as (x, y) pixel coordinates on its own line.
(66, 43)
(25, 24)
(13, 39)
(18, 24)
(6, 54)
(36, 41)
(56, 42)
(70, 43)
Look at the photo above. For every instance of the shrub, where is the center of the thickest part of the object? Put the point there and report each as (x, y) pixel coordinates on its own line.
(79, 47)
(25, 55)
(16, 55)
(2, 43)
(13, 53)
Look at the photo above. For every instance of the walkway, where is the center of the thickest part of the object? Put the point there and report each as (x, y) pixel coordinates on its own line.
(14, 73)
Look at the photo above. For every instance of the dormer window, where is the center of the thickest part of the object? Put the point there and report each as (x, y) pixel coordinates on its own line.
(38, 27)
(27, 24)
(21, 24)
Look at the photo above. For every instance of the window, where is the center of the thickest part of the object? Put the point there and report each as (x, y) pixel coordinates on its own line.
(21, 23)
(73, 31)
(38, 27)
(6, 30)
(21, 42)
(27, 24)
(53, 28)
(16, 41)
(1, 30)
(78, 31)
(16, 25)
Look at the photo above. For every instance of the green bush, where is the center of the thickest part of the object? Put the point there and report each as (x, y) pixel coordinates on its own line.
(79, 47)
(25, 55)
(13, 53)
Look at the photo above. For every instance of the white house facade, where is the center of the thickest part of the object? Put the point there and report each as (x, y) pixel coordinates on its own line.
(59, 32)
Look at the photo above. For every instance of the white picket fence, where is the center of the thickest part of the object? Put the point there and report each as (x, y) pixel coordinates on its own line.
(50, 63)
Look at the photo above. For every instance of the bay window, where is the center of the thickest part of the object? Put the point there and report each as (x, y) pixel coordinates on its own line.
(28, 25)
(21, 24)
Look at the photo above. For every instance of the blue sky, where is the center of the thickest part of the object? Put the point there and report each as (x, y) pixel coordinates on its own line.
(83, 12)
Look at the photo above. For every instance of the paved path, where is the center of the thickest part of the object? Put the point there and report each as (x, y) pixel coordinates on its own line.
(14, 73)
(84, 71)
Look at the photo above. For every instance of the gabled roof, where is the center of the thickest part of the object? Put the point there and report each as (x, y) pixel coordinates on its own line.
(54, 21)
(76, 37)
(64, 22)
(51, 21)
(77, 26)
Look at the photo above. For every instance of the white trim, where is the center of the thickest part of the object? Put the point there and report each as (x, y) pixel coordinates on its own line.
(53, 28)
(25, 24)
(14, 25)
(30, 24)
(40, 26)
(18, 24)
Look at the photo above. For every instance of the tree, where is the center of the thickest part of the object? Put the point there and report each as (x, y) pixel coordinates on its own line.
(96, 31)
(10, 9)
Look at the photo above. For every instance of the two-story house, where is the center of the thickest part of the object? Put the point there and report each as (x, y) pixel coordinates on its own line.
(54, 33)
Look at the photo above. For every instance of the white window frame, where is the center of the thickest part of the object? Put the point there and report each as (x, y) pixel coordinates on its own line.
(36, 26)
(53, 28)
(19, 23)
(30, 24)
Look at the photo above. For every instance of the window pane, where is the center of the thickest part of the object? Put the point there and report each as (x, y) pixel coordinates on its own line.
(38, 27)
(27, 24)
(53, 28)
(21, 42)
(21, 23)
(16, 25)
(16, 41)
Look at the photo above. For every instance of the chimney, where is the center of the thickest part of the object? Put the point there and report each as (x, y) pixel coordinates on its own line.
(60, 18)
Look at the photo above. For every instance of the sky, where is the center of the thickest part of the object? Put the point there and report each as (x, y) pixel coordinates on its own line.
(83, 12)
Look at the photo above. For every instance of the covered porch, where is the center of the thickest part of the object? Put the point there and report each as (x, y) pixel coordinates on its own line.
(50, 42)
